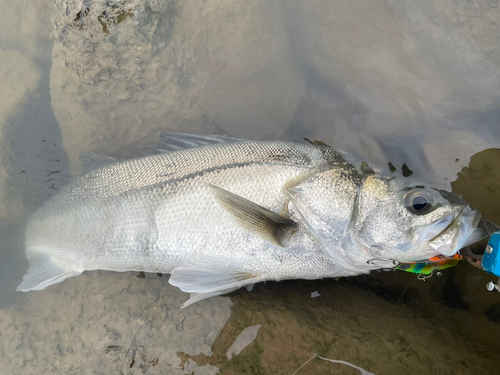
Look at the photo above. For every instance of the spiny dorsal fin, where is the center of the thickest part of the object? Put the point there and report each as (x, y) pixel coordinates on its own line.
(270, 225)
(316, 143)
(366, 169)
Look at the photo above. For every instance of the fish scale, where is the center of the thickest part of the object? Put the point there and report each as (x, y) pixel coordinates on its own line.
(113, 201)
(207, 215)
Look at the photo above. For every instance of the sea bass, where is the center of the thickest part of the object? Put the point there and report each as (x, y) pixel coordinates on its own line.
(232, 213)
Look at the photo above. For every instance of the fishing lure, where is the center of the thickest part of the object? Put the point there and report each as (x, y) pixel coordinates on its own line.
(427, 267)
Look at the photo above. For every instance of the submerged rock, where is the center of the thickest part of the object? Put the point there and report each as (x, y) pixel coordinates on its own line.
(122, 71)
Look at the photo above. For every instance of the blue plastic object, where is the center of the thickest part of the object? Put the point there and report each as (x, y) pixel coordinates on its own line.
(491, 261)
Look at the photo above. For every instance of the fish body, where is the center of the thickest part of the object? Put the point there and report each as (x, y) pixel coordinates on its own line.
(224, 215)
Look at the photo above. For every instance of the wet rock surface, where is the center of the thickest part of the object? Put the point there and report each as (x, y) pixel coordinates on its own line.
(123, 71)
(356, 325)
(104, 323)
(135, 326)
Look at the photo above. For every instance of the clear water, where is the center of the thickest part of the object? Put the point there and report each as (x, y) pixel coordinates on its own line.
(405, 82)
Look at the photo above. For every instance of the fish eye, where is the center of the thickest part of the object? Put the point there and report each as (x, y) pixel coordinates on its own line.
(417, 203)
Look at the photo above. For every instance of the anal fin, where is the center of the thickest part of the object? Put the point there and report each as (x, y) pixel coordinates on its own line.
(196, 297)
(42, 273)
(206, 282)
(274, 227)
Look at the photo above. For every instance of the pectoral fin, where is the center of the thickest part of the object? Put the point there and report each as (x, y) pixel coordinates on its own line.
(272, 226)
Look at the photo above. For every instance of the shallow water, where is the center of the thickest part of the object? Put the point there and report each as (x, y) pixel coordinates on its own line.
(405, 82)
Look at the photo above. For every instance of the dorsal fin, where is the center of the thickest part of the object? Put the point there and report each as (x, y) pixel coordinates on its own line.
(268, 224)
(316, 142)
(92, 161)
(170, 141)
(366, 169)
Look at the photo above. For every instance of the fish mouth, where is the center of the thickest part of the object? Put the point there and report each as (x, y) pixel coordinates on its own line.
(460, 231)
(446, 236)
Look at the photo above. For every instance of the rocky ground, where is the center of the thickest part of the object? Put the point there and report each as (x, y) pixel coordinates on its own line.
(131, 326)
(389, 323)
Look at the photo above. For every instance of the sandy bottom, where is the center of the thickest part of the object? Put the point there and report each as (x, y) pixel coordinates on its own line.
(386, 322)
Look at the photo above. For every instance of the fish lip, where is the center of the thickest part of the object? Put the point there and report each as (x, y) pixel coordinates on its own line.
(467, 220)
(452, 221)
(473, 224)
(465, 217)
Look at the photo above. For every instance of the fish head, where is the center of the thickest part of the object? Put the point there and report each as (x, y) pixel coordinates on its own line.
(407, 221)
(368, 221)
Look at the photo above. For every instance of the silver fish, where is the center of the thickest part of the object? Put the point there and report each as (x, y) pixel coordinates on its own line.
(229, 214)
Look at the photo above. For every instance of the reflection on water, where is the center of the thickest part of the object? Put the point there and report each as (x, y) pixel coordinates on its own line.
(404, 82)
